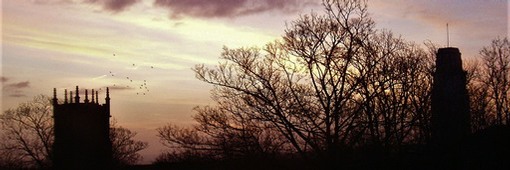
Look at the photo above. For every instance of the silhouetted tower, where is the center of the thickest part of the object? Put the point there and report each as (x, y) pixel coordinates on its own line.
(450, 100)
(82, 132)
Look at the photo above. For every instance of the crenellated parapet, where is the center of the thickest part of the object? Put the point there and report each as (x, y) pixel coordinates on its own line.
(69, 99)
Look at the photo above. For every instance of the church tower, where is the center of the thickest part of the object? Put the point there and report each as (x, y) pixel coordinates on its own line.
(450, 100)
(81, 132)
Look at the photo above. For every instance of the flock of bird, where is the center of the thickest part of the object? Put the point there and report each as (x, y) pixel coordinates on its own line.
(141, 86)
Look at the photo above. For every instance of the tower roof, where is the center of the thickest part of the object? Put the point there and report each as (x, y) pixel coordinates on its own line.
(448, 50)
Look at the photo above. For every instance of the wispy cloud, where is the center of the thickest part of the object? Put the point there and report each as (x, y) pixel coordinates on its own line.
(14, 89)
(4, 79)
(18, 94)
(113, 5)
(228, 8)
(107, 5)
(199, 8)
(467, 12)
(19, 85)
(472, 23)
(439, 12)
(120, 88)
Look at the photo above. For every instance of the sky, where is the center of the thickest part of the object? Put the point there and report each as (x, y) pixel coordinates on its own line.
(143, 50)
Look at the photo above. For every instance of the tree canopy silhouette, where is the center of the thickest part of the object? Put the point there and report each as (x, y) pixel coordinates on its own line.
(27, 137)
(332, 84)
(496, 79)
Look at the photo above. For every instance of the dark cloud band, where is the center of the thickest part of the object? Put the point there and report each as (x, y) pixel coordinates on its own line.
(227, 8)
(202, 8)
(113, 5)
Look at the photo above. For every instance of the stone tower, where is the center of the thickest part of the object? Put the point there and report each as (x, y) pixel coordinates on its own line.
(450, 100)
(81, 132)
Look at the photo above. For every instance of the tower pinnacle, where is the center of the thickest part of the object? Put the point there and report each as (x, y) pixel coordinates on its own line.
(77, 97)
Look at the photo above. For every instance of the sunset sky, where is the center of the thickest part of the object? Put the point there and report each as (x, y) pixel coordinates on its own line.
(125, 44)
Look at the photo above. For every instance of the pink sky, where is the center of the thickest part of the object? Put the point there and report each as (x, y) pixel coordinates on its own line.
(59, 44)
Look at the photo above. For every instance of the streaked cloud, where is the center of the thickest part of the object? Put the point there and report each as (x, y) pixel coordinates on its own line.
(15, 89)
(199, 8)
(455, 11)
(18, 94)
(107, 5)
(120, 88)
(113, 5)
(472, 23)
(228, 8)
(19, 85)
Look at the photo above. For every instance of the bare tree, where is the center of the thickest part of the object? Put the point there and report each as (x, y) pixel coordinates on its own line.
(124, 148)
(478, 96)
(11, 159)
(28, 132)
(496, 60)
(329, 47)
(27, 137)
(395, 91)
(221, 135)
(333, 83)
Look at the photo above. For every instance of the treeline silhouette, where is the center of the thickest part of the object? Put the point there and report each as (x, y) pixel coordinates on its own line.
(334, 91)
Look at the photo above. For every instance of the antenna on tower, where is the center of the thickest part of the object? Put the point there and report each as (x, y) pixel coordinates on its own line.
(447, 36)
